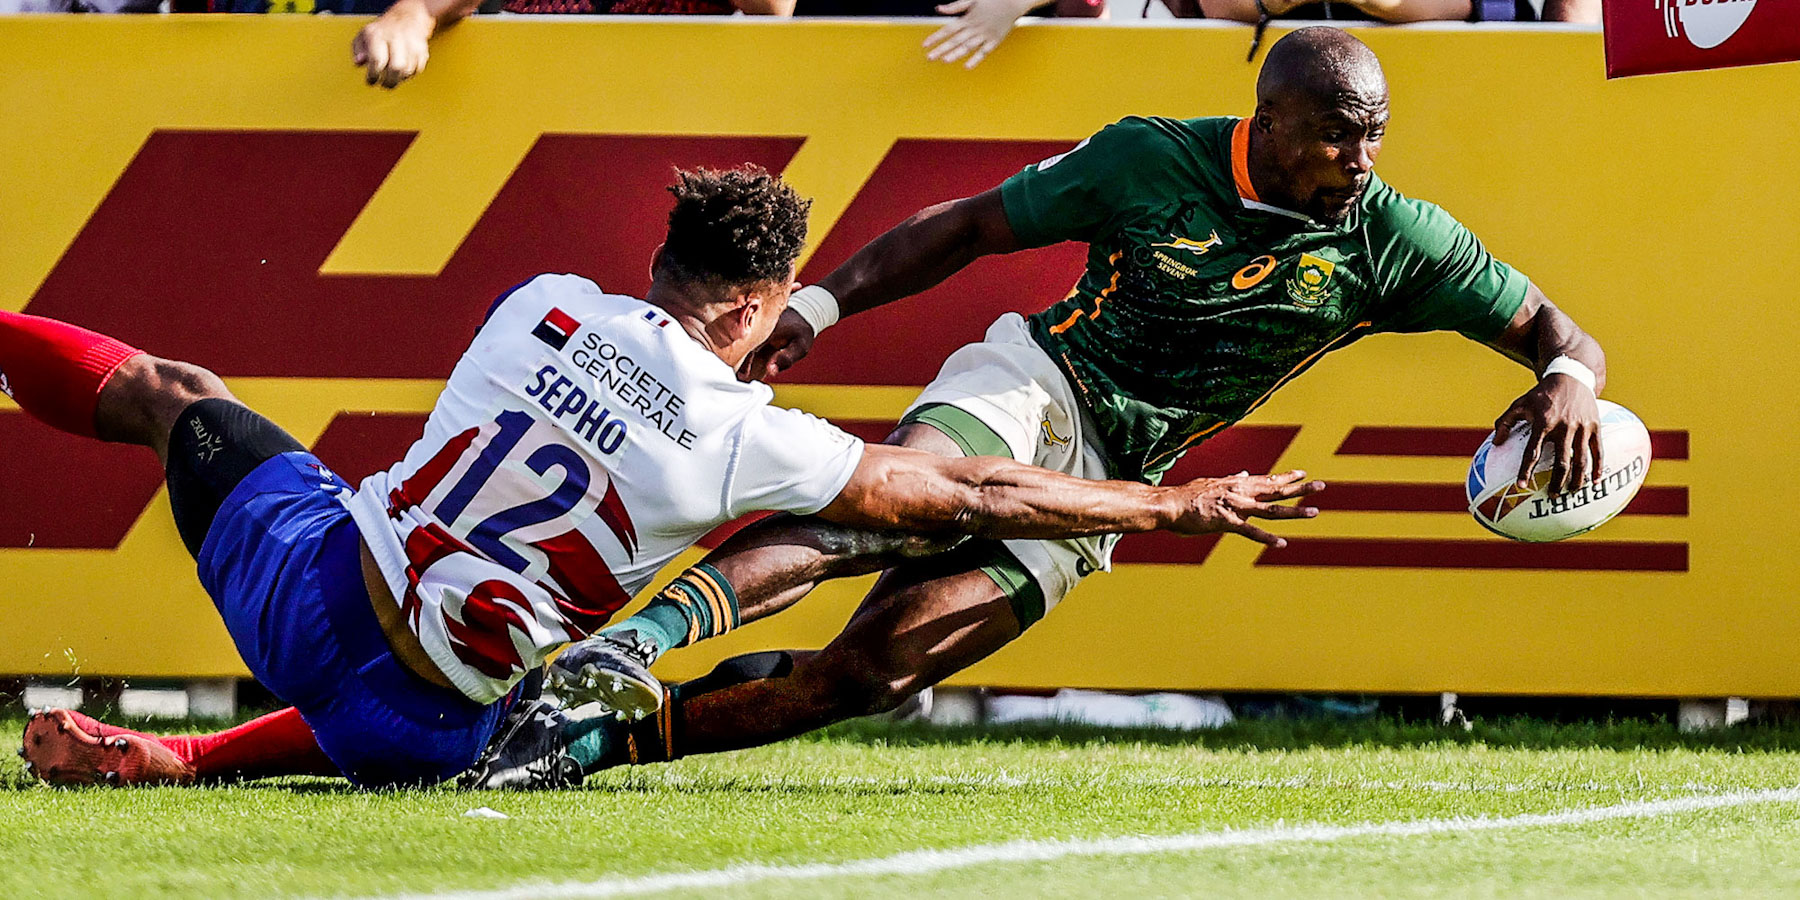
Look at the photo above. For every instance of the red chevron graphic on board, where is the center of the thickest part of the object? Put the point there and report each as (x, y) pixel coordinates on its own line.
(1478, 552)
(208, 248)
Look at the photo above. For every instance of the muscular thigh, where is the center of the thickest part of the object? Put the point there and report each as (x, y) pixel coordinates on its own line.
(930, 618)
(214, 444)
(925, 621)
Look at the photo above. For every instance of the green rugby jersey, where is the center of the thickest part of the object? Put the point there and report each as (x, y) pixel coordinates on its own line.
(1199, 301)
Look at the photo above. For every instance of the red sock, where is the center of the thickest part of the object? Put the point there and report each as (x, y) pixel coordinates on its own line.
(55, 371)
(279, 743)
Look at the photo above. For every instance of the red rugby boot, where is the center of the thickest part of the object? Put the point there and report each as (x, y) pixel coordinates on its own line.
(62, 747)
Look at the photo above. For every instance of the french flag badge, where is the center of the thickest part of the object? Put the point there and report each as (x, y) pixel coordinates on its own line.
(656, 318)
(556, 329)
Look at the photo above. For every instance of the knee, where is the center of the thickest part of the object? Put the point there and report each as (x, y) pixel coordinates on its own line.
(180, 384)
(142, 399)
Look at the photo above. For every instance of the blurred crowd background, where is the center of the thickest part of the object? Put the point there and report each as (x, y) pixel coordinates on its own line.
(395, 46)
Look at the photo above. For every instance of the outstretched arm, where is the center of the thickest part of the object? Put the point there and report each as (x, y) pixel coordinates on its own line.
(913, 256)
(1561, 409)
(917, 254)
(986, 496)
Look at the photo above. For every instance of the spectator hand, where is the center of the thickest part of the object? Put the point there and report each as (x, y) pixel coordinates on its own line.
(394, 47)
(980, 26)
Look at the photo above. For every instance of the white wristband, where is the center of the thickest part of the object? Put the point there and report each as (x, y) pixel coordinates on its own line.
(1564, 365)
(816, 305)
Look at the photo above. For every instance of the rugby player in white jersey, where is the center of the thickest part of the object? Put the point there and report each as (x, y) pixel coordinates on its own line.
(583, 440)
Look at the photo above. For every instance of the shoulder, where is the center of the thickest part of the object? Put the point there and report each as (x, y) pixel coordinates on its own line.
(1401, 222)
(1153, 153)
(548, 289)
(1160, 134)
(1123, 141)
(1386, 209)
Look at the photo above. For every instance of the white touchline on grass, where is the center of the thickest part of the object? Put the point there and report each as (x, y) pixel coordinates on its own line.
(1004, 780)
(923, 862)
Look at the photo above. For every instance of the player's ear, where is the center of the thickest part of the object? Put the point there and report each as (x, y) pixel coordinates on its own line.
(744, 308)
(656, 260)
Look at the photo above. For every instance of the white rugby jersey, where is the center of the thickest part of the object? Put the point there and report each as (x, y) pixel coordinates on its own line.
(583, 441)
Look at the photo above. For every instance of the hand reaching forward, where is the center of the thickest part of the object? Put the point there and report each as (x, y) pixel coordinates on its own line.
(980, 26)
(1216, 505)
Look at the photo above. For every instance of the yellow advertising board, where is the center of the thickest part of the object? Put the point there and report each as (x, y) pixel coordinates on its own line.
(226, 190)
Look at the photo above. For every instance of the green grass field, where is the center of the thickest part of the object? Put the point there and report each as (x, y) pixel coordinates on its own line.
(871, 791)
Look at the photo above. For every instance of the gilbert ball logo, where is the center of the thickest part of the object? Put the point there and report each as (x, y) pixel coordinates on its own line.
(1707, 23)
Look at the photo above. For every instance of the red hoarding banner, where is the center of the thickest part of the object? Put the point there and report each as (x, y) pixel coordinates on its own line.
(1647, 36)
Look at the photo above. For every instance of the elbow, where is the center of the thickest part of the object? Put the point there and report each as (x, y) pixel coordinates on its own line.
(972, 226)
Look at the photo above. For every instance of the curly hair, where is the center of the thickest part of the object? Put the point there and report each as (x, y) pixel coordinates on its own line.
(733, 227)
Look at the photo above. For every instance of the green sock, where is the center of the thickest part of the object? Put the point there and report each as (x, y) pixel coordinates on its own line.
(589, 740)
(602, 742)
(664, 624)
(695, 606)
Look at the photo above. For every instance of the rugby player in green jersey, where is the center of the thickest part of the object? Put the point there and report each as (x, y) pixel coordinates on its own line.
(1225, 257)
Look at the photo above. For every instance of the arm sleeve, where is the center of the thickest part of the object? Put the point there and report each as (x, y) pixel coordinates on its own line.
(788, 461)
(1441, 278)
(1073, 195)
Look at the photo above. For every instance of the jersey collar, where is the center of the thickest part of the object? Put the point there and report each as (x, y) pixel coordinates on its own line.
(1240, 173)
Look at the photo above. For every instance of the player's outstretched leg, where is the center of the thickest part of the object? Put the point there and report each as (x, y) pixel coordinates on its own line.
(923, 622)
(763, 569)
(91, 385)
(95, 386)
(776, 561)
(62, 746)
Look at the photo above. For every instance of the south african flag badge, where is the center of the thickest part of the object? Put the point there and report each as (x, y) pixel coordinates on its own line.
(1311, 284)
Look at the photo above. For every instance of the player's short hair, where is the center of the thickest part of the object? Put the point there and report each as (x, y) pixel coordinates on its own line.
(737, 226)
(1320, 62)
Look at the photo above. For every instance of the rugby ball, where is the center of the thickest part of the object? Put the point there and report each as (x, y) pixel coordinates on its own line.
(1537, 515)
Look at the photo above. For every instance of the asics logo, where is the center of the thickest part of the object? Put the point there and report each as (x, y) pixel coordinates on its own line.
(1252, 275)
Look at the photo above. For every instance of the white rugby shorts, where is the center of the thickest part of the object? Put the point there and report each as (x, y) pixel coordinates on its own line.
(1009, 384)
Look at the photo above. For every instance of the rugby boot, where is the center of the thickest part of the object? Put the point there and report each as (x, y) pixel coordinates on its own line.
(65, 747)
(612, 670)
(526, 754)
